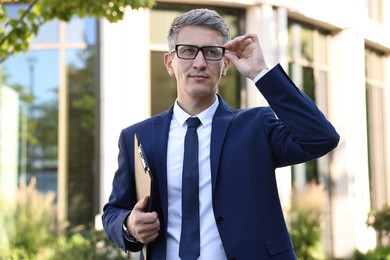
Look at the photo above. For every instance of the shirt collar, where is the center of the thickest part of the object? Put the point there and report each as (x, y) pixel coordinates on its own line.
(205, 116)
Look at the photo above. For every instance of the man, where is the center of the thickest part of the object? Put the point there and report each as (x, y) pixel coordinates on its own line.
(240, 216)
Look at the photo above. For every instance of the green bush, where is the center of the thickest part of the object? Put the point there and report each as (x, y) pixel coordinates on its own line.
(92, 245)
(30, 232)
(379, 253)
(30, 223)
(380, 221)
(304, 222)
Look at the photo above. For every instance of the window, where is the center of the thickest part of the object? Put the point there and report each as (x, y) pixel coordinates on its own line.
(60, 65)
(308, 68)
(375, 93)
(38, 102)
(163, 87)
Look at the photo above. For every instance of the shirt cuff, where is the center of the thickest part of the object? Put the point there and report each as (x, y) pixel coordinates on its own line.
(260, 75)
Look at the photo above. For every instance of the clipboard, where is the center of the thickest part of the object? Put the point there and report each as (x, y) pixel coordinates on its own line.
(143, 180)
(143, 175)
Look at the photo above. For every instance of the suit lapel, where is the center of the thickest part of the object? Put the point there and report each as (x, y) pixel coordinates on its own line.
(221, 121)
(161, 126)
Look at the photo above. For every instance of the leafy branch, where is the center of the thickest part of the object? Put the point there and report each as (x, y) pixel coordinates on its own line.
(17, 32)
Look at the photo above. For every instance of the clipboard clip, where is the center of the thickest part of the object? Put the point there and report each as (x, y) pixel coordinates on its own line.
(143, 160)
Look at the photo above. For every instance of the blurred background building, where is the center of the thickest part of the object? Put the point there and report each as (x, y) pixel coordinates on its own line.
(84, 81)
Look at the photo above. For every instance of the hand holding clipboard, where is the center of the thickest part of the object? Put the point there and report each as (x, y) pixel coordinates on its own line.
(143, 180)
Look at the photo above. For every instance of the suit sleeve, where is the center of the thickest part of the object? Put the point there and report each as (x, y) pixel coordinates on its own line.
(122, 198)
(299, 132)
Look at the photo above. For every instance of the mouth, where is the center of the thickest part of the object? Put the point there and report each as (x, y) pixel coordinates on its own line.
(198, 76)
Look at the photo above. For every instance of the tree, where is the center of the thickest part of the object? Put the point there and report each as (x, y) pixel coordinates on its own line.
(17, 32)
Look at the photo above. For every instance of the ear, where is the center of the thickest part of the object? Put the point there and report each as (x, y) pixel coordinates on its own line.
(226, 63)
(168, 64)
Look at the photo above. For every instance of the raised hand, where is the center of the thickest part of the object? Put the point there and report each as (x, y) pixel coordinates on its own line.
(246, 55)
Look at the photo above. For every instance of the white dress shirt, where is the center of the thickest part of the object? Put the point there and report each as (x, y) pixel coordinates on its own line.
(210, 241)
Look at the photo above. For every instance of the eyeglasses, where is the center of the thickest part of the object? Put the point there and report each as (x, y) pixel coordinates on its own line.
(189, 52)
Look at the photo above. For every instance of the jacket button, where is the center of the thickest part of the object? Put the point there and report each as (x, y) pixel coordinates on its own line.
(219, 220)
(232, 258)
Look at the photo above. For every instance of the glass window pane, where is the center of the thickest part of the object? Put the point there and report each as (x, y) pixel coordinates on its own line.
(308, 82)
(322, 52)
(376, 134)
(81, 79)
(160, 22)
(307, 43)
(291, 41)
(81, 31)
(35, 76)
(90, 29)
(47, 33)
(229, 87)
(163, 87)
(321, 91)
(307, 51)
(37, 72)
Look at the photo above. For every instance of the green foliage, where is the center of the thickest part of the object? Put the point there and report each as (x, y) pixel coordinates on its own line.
(31, 222)
(17, 32)
(92, 245)
(380, 221)
(379, 253)
(305, 233)
(32, 231)
(304, 224)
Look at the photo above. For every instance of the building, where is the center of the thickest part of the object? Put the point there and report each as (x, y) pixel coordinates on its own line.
(95, 78)
(9, 136)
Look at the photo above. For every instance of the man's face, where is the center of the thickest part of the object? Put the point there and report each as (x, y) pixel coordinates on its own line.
(197, 78)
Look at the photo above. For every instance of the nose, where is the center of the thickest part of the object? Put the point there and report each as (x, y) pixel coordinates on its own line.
(199, 59)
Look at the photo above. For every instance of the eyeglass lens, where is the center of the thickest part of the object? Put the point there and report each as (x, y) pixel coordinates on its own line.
(209, 52)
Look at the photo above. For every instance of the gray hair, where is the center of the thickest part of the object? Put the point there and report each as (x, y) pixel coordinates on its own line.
(198, 17)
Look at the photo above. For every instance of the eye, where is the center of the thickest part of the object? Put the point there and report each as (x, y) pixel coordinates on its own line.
(211, 52)
(187, 50)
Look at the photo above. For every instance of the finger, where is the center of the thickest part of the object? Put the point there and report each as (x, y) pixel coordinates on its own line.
(149, 218)
(239, 41)
(142, 204)
(148, 238)
(146, 222)
(147, 232)
(251, 37)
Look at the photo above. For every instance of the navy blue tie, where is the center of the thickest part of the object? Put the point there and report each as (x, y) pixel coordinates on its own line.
(190, 234)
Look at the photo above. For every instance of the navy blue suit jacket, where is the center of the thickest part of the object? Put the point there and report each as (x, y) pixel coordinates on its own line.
(247, 145)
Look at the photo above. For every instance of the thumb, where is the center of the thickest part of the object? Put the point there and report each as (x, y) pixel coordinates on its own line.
(142, 204)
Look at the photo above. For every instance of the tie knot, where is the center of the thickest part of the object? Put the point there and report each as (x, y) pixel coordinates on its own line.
(193, 122)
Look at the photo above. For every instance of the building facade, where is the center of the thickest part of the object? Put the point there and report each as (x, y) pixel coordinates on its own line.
(90, 78)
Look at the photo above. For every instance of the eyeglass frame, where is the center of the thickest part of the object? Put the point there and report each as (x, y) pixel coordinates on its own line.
(199, 49)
